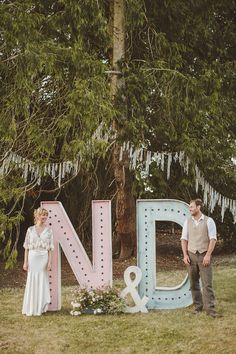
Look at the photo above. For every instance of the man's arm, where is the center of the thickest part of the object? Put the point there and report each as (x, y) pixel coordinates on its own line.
(213, 237)
(207, 259)
(184, 245)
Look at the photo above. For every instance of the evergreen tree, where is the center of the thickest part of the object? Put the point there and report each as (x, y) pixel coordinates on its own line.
(175, 92)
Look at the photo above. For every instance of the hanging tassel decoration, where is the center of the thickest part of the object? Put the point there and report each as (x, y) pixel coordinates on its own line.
(169, 160)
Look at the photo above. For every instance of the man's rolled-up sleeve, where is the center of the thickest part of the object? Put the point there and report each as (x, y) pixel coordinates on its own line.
(211, 229)
(184, 235)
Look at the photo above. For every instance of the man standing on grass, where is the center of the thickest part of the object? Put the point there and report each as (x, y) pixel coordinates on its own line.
(198, 242)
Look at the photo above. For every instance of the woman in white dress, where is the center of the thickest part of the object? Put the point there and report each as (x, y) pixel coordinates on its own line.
(37, 262)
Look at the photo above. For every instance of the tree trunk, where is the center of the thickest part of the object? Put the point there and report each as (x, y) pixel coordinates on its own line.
(125, 208)
(125, 203)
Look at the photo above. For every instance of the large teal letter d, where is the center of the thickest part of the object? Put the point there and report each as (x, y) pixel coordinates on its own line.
(149, 211)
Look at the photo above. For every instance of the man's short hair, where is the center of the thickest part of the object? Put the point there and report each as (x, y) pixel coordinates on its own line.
(198, 202)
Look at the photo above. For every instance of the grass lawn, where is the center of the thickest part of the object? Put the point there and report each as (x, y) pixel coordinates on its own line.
(160, 331)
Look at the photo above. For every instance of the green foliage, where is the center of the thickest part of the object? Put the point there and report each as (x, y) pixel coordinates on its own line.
(52, 73)
(179, 75)
(178, 93)
(54, 92)
(185, 77)
(226, 230)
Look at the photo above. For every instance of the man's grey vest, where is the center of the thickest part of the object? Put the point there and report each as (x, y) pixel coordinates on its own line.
(198, 238)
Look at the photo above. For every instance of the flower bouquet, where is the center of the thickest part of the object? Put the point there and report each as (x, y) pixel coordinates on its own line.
(97, 301)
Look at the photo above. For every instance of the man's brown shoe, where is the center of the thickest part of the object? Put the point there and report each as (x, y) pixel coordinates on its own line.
(214, 314)
(196, 311)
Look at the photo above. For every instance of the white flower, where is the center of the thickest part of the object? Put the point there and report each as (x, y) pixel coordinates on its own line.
(76, 313)
(72, 312)
(95, 311)
(99, 311)
(75, 304)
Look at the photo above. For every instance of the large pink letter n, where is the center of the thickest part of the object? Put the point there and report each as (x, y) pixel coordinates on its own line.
(89, 275)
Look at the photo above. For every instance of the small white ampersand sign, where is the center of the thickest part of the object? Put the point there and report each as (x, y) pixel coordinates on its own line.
(140, 304)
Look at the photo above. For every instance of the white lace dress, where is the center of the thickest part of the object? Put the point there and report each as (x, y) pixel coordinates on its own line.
(37, 294)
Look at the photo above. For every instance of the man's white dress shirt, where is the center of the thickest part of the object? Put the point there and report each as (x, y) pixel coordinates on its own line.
(211, 226)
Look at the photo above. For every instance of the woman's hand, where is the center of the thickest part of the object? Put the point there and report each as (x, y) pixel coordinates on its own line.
(25, 267)
(49, 266)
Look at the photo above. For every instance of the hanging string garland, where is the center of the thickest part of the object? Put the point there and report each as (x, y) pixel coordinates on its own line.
(32, 172)
(61, 170)
(163, 160)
